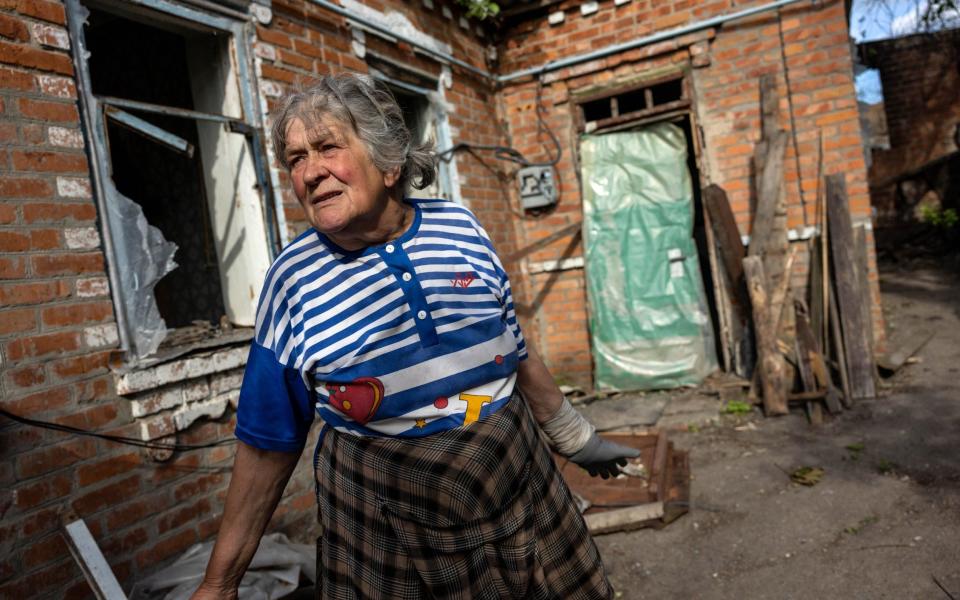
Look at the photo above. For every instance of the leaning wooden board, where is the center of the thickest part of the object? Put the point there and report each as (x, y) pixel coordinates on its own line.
(626, 503)
(856, 345)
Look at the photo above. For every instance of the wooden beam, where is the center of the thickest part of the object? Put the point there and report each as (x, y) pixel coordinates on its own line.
(771, 364)
(915, 340)
(765, 238)
(90, 559)
(623, 519)
(862, 264)
(730, 284)
(850, 297)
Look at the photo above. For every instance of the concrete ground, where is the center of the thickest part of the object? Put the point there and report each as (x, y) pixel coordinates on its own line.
(883, 522)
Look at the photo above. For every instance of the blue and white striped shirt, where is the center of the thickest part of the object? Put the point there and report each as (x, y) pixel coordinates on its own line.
(406, 338)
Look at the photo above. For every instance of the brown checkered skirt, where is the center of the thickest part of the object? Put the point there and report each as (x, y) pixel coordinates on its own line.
(475, 512)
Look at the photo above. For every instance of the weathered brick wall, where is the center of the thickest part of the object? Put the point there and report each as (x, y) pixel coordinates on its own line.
(921, 85)
(724, 66)
(57, 327)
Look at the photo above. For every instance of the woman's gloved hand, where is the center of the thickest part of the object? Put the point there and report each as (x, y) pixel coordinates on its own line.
(603, 457)
(574, 437)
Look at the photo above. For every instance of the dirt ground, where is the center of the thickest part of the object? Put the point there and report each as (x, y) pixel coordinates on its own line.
(883, 522)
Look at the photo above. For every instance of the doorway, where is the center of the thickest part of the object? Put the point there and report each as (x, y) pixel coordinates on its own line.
(650, 309)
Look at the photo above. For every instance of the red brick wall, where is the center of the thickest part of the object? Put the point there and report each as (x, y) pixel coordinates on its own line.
(726, 106)
(921, 85)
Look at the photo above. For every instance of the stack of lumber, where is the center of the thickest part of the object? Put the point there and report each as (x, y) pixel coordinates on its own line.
(813, 349)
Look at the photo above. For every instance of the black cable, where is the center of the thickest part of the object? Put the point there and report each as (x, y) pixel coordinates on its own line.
(542, 126)
(793, 123)
(507, 153)
(119, 439)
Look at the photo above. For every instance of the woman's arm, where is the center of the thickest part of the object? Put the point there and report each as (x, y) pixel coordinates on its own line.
(259, 477)
(570, 434)
(538, 387)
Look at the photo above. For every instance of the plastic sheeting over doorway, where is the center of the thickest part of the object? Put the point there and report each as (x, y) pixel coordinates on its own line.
(649, 320)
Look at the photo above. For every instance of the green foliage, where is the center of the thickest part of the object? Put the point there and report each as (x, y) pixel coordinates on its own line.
(736, 407)
(886, 467)
(855, 450)
(939, 218)
(480, 9)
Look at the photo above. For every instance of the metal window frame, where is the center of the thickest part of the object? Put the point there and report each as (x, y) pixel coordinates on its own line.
(93, 119)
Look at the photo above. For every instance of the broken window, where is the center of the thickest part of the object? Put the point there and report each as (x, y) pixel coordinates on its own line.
(179, 166)
(422, 123)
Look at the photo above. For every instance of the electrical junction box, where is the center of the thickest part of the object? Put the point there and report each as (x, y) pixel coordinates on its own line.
(537, 189)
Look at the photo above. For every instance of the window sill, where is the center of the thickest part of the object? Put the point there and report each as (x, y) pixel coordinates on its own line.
(216, 354)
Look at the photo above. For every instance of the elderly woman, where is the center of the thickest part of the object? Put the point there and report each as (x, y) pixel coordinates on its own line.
(392, 319)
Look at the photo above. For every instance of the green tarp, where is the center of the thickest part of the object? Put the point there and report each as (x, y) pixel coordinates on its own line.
(649, 322)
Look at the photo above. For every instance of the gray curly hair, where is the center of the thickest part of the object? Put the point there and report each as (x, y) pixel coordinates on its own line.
(370, 109)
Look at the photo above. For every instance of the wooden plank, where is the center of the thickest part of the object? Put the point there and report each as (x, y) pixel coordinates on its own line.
(91, 561)
(857, 346)
(779, 294)
(914, 341)
(732, 287)
(838, 348)
(810, 349)
(720, 295)
(768, 238)
(658, 470)
(817, 312)
(769, 106)
(771, 364)
(863, 277)
(726, 233)
(622, 519)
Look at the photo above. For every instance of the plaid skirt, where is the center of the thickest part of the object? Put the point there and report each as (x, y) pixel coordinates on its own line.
(474, 512)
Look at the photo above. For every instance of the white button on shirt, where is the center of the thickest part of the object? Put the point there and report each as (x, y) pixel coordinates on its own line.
(407, 276)
(422, 315)
(390, 248)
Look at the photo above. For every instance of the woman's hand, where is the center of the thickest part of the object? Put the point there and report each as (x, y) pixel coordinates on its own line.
(603, 457)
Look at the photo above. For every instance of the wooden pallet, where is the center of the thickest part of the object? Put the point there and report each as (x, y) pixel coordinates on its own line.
(627, 503)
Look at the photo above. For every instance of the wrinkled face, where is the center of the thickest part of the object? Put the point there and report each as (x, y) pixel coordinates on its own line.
(342, 192)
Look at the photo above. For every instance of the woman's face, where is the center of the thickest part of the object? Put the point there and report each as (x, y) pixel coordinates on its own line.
(342, 192)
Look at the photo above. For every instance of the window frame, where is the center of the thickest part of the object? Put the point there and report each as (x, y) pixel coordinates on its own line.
(94, 108)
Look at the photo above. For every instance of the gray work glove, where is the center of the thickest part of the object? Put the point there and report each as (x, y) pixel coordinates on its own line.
(574, 437)
(603, 457)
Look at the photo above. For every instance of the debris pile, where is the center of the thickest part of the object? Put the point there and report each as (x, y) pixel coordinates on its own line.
(803, 342)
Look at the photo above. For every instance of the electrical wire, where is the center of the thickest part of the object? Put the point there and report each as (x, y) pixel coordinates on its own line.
(507, 153)
(793, 123)
(119, 439)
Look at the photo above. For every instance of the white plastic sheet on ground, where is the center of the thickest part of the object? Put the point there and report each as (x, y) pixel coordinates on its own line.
(274, 572)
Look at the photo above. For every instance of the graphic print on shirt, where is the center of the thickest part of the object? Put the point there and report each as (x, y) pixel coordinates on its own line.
(462, 280)
(359, 399)
(359, 321)
(474, 404)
